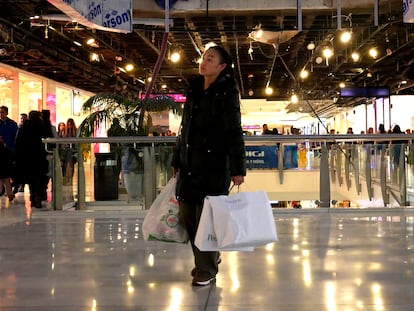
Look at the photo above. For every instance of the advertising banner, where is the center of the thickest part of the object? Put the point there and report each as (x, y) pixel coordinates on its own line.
(408, 11)
(108, 15)
(261, 157)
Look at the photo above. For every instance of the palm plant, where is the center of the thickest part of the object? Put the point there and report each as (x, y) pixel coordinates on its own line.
(133, 113)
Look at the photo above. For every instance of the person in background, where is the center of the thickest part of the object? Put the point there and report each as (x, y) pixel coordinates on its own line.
(116, 130)
(6, 160)
(8, 129)
(210, 152)
(265, 130)
(381, 129)
(396, 145)
(31, 156)
(69, 153)
(61, 129)
(50, 131)
(61, 133)
(17, 185)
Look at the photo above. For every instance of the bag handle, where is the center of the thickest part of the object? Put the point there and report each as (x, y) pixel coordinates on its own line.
(231, 188)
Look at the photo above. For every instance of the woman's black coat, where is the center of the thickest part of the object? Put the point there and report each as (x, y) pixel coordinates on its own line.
(210, 147)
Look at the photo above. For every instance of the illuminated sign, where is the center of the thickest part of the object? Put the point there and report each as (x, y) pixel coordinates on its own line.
(365, 92)
(178, 98)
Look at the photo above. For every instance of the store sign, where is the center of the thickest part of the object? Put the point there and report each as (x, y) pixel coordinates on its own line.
(408, 11)
(261, 157)
(365, 92)
(108, 15)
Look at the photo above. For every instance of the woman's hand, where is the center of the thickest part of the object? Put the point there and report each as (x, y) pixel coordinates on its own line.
(237, 180)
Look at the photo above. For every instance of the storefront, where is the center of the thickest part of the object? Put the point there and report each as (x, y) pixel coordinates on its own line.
(22, 92)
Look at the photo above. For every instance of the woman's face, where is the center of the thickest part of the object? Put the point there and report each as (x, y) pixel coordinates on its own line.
(210, 65)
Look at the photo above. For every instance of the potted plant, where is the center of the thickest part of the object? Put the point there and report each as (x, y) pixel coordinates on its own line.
(134, 117)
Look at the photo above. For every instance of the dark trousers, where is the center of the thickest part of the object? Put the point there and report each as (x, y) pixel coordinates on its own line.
(205, 262)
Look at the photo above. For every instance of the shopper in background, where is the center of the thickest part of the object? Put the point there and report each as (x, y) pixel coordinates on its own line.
(18, 186)
(210, 150)
(8, 129)
(6, 160)
(50, 131)
(265, 130)
(31, 156)
(68, 153)
(396, 145)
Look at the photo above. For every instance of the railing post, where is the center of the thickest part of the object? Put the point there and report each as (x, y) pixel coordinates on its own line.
(324, 182)
(80, 205)
(57, 181)
(149, 175)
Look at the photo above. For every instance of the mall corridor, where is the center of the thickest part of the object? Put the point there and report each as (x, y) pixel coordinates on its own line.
(96, 260)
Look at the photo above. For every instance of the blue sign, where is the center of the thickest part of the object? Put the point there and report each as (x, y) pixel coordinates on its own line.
(261, 157)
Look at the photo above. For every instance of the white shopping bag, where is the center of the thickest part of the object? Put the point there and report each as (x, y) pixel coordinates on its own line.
(161, 222)
(244, 219)
(205, 238)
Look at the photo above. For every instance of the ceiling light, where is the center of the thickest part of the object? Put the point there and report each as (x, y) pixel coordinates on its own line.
(355, 56)
(342, 85)
(90, 41)
(175, 57)
(129, 67)
(311, 46)
(294, 99)
(93, 57)
(346, 36)
(269, 90)
(318, 60)
(304, 74)
(250, 50)
(327, 52)
(373, 53)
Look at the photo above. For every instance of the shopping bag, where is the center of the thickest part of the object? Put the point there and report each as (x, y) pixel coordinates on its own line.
(205, 238)
(161, 222)
(243, 219)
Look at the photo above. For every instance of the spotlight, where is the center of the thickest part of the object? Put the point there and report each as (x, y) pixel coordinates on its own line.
(355, 56)
(311, 46)
(327, 52)
(373, 53)
(346, 36)
(269, 90)
(175, 57)
(129, 67)
(318, 60)
(304, 74)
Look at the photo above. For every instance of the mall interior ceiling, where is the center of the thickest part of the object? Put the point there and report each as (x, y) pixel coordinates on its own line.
(292, 41)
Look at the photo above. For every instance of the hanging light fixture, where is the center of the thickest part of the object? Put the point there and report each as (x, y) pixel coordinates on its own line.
(355, 56)
(346, 36)
(373, 53)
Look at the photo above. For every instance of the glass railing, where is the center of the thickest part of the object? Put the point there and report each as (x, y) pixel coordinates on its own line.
(323, 170)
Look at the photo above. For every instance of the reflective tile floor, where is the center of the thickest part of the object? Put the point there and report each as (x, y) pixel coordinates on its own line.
(325, 260)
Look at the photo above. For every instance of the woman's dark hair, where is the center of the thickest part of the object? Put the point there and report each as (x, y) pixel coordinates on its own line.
(225, 59)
